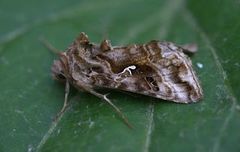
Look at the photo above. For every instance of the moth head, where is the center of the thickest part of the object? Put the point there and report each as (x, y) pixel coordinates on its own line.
(58, 71)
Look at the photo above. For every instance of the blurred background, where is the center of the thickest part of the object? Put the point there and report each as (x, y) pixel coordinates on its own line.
(29, 97)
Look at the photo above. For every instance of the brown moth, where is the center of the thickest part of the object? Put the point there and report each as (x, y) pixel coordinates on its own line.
(157, 69)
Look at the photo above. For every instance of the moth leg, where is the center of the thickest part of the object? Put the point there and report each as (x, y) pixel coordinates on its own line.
(67, 89)
(104, 97)
(190, 48)
(49, 46)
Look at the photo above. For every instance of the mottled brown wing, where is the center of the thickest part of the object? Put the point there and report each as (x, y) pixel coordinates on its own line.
(158, 69)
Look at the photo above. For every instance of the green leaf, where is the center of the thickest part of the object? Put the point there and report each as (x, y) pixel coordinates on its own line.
(30, 98)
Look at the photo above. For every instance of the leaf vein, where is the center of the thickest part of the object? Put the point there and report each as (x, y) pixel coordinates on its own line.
(150, 127)
(227, 87)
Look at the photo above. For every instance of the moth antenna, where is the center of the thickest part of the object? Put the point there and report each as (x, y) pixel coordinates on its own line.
(82, 38)
(67, 89)
(49, 46)
(118, 111)
(106, 45)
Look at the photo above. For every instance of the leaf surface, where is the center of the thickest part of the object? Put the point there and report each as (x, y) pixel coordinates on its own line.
(30, 98)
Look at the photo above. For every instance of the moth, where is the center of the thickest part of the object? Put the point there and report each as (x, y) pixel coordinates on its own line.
(157, 69)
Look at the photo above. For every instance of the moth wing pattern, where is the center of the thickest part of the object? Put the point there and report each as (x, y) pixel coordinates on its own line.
(157, 69)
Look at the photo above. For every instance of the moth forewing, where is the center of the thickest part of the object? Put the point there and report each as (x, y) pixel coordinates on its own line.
(158, 69)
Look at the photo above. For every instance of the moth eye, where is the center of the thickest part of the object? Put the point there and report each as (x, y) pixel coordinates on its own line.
(61, 76)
